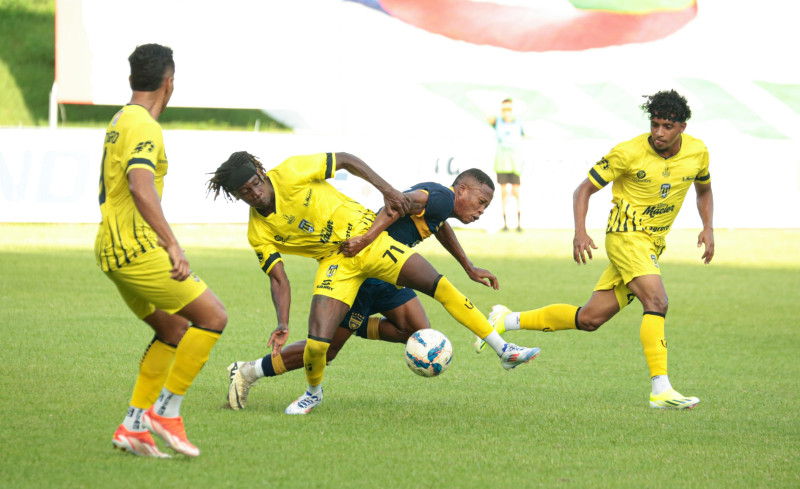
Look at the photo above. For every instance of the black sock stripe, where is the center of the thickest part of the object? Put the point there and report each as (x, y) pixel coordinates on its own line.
(436, 285)
(317, 338)
(156, 338)
(205, 329)
(653, 313)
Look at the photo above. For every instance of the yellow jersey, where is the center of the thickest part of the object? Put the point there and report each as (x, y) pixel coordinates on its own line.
(311, 217)
(648, 189)
(133, 140)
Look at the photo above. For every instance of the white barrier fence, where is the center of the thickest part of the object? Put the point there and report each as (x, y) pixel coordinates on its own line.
(51, 175)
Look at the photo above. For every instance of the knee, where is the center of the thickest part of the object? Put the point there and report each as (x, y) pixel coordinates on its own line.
(588, 322)
(658, 304)
(218, 319)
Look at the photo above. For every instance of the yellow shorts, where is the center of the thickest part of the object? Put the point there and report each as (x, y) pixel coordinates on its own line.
(340, 277)
(631, 255)
(145, 285)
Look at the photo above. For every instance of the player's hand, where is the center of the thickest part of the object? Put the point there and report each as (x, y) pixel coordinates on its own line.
(706, 237)
(396, 203)
(582, 246)
(277, 339)
(352, 246)
(180, 265)
(484, 277)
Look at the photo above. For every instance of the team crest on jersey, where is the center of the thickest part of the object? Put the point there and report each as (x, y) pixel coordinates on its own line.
(144, 146)
(332, 270)
(665, 190)
(356, 320)
(306, 226)
(655, 260)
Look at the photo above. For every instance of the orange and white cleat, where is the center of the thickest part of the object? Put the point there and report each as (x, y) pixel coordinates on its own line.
(139, 443)
(170, 430)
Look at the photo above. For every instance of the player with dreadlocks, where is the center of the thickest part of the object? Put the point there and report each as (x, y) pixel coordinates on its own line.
(652, 174)
(294, 210)
(431, 204)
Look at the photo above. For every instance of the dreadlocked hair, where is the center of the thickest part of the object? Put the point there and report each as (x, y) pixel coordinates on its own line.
(216, 183)
(667, 104)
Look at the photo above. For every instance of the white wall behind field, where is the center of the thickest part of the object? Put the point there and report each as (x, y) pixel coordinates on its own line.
(49, 175)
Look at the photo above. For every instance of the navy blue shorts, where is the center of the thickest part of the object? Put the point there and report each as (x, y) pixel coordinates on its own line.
(374, 296)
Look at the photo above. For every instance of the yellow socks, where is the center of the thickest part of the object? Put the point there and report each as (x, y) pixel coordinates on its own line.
(153, 370)
(653, 342)
(191, 355)
(461, 308)
(314, 360)
(554, 317)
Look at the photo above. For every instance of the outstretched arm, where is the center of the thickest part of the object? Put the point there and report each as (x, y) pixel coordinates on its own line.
(395, 202)
(417, 201)
(705, 206)
(141, 184)
(582, 243)
(281, 299)
(447, 237)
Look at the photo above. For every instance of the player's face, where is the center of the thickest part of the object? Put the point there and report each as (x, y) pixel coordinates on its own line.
(472, 202)
(254, 192)
(665, 135)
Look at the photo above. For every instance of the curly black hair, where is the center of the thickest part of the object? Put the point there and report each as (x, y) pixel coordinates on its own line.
(216, 184)
(149, 64)
(667, 104)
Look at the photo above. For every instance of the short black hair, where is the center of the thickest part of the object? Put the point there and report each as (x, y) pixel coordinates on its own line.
(216, 184)
(478, 175)
(667, 104)
(149, 64)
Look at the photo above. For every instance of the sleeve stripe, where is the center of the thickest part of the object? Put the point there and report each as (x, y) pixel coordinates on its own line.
(273, 259)
(140, 161)
(328, 165)
(593, 173)
(703, 179)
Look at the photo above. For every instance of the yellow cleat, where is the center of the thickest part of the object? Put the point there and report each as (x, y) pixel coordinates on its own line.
(671, 399)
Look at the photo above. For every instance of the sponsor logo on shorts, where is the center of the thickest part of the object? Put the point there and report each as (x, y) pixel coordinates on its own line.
(332, 270)
(326, 285)
(655, 260)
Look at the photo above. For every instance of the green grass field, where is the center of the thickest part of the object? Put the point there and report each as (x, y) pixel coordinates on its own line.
(576, 417)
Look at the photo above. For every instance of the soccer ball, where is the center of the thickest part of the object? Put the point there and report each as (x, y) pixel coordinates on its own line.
(428, 352)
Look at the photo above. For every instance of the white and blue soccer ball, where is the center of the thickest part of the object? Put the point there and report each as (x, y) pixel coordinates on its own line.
(428, 352)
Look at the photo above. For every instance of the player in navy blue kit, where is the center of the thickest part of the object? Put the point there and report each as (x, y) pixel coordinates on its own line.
(431, 204)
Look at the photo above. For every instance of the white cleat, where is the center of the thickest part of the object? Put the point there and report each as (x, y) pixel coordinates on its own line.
(305, 403)
(240, 374)
(514, 356)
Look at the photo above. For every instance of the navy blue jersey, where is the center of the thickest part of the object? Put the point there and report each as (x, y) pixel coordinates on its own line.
(376, 296)
(411, 230)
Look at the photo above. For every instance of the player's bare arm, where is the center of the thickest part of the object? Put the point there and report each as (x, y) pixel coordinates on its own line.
(705, 206)
(417, 200)
(582, 243)
(281, 298)
(395, 201)
(145, 197)
(447, 237)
